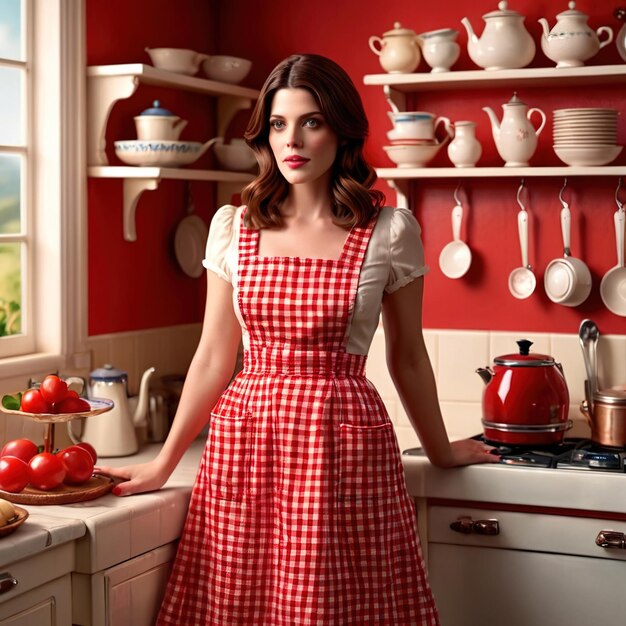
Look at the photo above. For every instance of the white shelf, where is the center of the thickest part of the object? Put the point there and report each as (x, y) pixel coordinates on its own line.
(479, 79)
(404, 173)
(106, 84)
(130, 171)
(396, 86)
(150, 75)
(140, 179)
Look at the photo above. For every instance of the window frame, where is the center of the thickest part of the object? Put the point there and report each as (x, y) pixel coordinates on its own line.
(56, 191)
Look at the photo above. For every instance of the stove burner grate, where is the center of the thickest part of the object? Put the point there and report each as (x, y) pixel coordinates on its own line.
(573, 453)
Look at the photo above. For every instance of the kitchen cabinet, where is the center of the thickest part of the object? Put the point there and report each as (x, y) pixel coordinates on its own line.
(396, 86)
(521, 566)
(41, 594)
(106, 84)
(128, 593)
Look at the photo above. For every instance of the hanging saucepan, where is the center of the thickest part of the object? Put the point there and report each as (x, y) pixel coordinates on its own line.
(525, 400)
(190, 239)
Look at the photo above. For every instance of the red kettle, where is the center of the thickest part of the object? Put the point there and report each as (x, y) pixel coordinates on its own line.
(525, 399)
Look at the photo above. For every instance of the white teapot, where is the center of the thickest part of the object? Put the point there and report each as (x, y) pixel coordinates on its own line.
(505, 42)
(398, 49)
(571, 42)
(113, 433)
(515, 136)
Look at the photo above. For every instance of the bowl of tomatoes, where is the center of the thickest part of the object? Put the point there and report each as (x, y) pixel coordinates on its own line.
(39, 474)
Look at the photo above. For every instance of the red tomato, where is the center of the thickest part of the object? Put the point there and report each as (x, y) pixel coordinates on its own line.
(53, 389)
(23, 449)
(46, 471)
(71, 405)
(92, 451)
(78, 465)
(33, 402)
(14, 474)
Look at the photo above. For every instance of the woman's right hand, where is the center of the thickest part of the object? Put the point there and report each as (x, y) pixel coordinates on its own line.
(139, 478)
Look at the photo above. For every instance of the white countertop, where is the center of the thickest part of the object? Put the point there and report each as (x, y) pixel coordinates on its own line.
(110, 529)
(559, 488)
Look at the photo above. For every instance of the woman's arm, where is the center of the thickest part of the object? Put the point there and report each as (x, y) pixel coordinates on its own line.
(412, 374)
(209, 373)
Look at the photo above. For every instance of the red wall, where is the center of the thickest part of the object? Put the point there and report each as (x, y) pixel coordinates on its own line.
(156, 293)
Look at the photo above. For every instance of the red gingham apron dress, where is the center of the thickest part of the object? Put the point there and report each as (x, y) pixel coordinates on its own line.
(300, 513)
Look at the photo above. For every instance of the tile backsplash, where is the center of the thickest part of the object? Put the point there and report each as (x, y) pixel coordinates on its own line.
(455, 355)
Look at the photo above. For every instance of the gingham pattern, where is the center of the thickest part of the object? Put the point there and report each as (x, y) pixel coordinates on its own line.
(300, 513)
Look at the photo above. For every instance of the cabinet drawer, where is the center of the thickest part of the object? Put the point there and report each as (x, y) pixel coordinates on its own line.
(38, 570)
(47, 605)
(525, 531)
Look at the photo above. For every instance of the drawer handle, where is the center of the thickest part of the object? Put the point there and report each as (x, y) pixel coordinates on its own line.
(611, 539)
(7, 582)
(467, 525)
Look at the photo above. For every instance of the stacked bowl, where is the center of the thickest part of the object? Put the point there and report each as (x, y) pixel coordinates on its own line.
(586, 136)
(413, 138)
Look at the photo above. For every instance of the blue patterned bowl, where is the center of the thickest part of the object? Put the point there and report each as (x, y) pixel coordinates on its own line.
(159, 153)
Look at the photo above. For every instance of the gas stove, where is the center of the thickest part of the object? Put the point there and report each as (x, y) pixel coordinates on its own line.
(572, 454)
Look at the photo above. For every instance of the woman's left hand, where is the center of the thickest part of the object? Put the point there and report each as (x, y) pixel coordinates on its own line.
(470, 451)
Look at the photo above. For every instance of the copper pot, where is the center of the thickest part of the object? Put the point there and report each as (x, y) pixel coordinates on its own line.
(607, 416)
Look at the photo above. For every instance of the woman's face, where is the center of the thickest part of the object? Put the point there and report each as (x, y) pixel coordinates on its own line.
(303, 143)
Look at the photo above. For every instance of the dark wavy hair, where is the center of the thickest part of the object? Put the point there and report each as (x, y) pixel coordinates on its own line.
(354, 201)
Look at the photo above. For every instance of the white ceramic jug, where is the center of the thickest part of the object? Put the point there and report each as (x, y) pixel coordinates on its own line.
(515, 136)
(464, 150)
(113, 433)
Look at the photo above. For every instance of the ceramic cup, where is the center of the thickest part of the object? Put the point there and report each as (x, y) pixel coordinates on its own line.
(418, 125)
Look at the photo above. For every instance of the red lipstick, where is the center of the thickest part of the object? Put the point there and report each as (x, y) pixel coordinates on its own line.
(295, 161)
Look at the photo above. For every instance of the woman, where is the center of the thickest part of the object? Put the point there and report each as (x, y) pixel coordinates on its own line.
(300, 513)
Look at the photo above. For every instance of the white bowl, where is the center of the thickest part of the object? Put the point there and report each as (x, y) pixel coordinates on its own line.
(179, 60)
(226, 69)
(236, 156)
(412, 155)
(588, 155)
(158, 153)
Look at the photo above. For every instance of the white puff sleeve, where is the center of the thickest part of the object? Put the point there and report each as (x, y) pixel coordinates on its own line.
(219, 242)
(405, 250)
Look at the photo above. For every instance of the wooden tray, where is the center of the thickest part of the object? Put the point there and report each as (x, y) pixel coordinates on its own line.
(95, 487)
(7, 529)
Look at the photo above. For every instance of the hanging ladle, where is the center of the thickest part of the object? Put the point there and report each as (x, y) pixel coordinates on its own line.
(456, 256)
(522, 281)
(613, 285)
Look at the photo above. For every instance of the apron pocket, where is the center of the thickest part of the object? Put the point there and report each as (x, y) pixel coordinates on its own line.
(367, 501)
(229, 456)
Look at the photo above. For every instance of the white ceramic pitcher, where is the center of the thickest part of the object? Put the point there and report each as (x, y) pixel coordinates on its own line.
(515, 136)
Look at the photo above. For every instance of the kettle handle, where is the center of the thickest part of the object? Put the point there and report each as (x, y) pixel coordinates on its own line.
(71, 434)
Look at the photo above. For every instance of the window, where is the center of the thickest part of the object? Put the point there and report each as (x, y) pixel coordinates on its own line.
(43, 270)
(14, 175)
